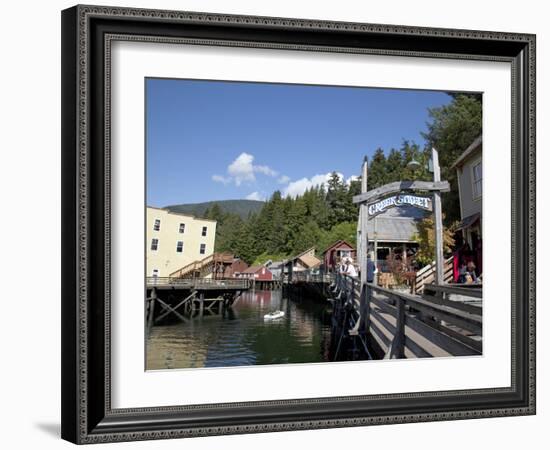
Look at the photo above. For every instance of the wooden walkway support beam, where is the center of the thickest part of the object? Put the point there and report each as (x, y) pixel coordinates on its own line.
(173, 309)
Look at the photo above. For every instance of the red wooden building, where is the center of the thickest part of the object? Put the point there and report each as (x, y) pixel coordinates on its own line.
(340, 249)
(236, 267)
(260, 273)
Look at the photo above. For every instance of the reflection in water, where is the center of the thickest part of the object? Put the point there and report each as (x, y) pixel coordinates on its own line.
(242, 337)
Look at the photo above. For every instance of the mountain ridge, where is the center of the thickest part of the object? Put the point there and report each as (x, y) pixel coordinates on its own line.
(242, 207)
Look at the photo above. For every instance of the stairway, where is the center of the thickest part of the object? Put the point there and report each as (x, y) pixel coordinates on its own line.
(426, 275)
(208, 267)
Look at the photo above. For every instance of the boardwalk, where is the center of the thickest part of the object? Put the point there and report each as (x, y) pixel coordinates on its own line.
(445, 322)
(180, 298)
(382, 323)
(173, 283)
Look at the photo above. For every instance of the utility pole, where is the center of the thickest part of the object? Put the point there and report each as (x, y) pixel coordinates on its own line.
(438, 219)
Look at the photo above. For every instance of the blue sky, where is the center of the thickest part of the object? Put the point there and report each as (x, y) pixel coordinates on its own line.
(210, 140)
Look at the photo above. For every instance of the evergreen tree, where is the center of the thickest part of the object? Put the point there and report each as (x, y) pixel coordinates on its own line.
(337, 199)
(377, 174)
(227, 233)
(309, 235)
(245, 243)
(412, 152)
(452, 128)
(394, 166)
(294, 222)
(351, 209)
(214, 212)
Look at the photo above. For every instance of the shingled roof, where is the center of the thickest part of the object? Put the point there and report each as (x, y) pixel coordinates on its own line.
(396, 224)
(473, 147)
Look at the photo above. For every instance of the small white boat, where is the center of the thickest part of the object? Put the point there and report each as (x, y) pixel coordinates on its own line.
(274, 315)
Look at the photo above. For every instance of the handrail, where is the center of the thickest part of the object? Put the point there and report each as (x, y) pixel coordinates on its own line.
(197, 283)
(200, 264)
(307, 276)
(466, 290)
(412, 321)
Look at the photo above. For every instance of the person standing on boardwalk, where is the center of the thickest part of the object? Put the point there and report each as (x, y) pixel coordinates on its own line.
(349, 268)
(371, 269)
(341, 264)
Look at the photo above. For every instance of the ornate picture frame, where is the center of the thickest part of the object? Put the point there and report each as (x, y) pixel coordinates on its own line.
(87, 412)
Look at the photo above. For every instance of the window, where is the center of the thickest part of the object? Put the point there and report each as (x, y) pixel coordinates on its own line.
(182, 228)
(179, 247)
(154, 244)
(204, 231)
(476, 180)
(156, 226)
(155, 273)
(203, 249)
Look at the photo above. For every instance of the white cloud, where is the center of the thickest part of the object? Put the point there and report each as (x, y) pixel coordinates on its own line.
(283, 179)
(255, 196)
(220, 179)
(265, 170)
(242, 170)
(352, 178)
(298, 187)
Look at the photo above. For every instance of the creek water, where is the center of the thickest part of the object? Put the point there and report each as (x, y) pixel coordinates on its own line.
(241, 336)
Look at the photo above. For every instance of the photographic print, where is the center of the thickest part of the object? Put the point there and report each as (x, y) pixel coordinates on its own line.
(303, 200)
(292, 223)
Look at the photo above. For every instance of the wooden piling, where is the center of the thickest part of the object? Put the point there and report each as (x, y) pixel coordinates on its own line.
(151, 310)
(201, 303)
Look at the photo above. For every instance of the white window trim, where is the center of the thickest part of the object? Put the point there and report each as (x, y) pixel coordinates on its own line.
(154, 223)
(472, 165)
(158, 244)
(204, 231)
(179, 228)
(200, 249)
(182, 246)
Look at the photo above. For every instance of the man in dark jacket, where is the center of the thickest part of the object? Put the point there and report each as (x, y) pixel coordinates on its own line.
(371, 269)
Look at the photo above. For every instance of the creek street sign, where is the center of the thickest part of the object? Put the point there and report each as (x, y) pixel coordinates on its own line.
(418, 201)
(398, 187)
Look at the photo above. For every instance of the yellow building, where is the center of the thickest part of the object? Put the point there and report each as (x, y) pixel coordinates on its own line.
(175, 240)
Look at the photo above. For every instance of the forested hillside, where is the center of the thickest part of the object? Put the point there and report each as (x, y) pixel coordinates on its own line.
(240, 207)
(283, 227)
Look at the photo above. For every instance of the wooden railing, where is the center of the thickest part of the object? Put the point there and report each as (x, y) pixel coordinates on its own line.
(307, 276)
(200, 265)
(426, 275)
(191, 267)
(404, 325)
(198, 283)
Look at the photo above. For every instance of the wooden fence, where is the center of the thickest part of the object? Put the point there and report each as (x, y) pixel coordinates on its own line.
(426, 275)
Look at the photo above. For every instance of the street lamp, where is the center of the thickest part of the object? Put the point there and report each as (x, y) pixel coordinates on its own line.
(413, 165)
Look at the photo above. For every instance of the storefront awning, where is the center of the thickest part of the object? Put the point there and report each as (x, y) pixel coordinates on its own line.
(467, 222)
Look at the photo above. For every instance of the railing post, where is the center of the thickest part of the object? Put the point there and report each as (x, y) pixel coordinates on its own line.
(398, 345)
(151, 310)
(368, 297)
(348, 281)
